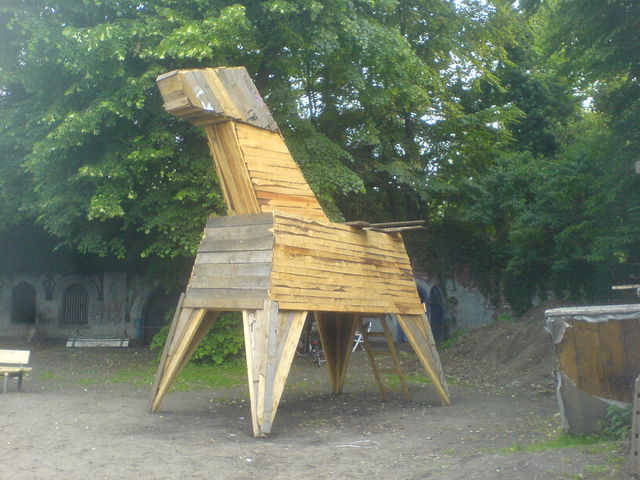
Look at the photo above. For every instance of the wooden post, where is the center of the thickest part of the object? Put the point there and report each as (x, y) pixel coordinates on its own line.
(270, 338)
(191, 326)
(336, 334)
(635, 431)
(417, 329)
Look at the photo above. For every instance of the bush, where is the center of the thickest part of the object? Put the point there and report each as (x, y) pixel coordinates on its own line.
(617, 424)
(222, 343)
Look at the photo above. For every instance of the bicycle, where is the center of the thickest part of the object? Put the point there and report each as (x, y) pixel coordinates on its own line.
(310, 344)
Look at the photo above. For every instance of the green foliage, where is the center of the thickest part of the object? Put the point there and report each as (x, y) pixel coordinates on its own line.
(453, 339)
(221, 344)
(467, 114)
(617, 423)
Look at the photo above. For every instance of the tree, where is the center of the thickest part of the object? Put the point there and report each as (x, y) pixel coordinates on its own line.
(360, 90)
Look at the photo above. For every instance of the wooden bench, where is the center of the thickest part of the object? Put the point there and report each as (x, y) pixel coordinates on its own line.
(98, 342)
(13, 363)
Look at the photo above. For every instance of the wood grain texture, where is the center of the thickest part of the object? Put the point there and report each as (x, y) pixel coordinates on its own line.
(233, 266)
(336, 334)
(601, 358)
(333, 267)
(268, 161)
(211, 95)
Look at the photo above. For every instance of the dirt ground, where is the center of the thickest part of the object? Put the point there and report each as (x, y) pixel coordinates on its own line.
(73, 422)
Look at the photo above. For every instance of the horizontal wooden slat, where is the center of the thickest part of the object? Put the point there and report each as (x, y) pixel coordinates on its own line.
(228, 233)
(15, 356)
(224, 303)
(252, 282)
(214, 245)
(240, 220)
(330, 246)
(341, 233)
(321, 265)
(232, 269)
(225, 293)
(311, 267)
(248, 256)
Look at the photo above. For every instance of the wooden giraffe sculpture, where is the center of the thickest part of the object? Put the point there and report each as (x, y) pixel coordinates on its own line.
(277, 256)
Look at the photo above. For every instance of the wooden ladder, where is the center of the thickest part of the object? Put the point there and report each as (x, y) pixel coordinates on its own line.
(378, 350)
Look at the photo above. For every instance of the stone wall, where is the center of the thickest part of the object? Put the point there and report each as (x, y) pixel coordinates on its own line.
(38, 306)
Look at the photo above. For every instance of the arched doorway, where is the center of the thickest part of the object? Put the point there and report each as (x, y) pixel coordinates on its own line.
(435, 309)
(154, 313)
(23, 304)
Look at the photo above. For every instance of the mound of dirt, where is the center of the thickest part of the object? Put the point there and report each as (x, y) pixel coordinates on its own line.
(505, 354)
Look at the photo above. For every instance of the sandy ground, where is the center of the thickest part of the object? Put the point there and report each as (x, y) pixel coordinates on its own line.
(72, 422)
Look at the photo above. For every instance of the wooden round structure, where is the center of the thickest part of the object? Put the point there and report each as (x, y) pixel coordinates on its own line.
(598, 355)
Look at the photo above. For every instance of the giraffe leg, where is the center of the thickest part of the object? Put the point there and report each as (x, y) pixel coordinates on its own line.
(417, 329)
(336, 333)
(187, 330)
(270, 339)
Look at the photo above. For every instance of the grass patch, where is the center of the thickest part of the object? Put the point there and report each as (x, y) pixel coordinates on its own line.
(195, 377)
(192, 377)
(591, 444)
(453, 339)
(139, 377)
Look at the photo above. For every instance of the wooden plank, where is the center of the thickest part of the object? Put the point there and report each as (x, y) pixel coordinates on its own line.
(215, 94)
(354, 307)
(266, 181)
(98, 342)
(324, 247)
(635, 430)
(590, 368)
(224, 304)
(631, 335)
(336, 334)
(338, 233)
(214, 293)
(305, 212)
(284, 198)
(333, 295)
(566, 352)
(397, 369)
(283, 339)
(372, 361)
(210, 244)
(224, 173)
(249, 137)
(338, 285)
(426, 352)
(180, 344)
(232, 269)
(348, 255)
(228, 142)
(315, 267)
(250, 256)
(236, 233)
(251, 282)
(617, 378)
(346, 305)
(240, 220)
(15, 356)
(165, 351)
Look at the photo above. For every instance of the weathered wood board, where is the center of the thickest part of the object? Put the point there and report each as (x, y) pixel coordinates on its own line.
(213, 95)
(233, 266)
(333, 267)
(598, 354)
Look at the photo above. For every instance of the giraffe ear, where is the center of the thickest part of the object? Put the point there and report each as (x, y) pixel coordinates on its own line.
(213, 95)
